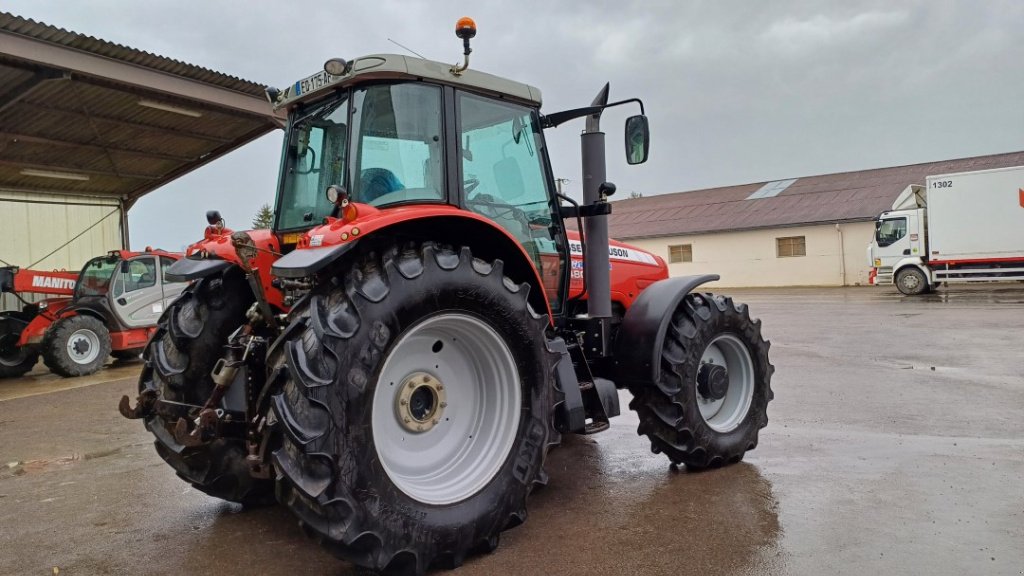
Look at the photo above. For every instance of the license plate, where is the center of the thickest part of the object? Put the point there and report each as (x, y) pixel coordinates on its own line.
(313, 83)
(291, 238)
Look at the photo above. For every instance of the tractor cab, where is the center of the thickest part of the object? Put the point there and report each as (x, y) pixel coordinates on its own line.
(386, 145)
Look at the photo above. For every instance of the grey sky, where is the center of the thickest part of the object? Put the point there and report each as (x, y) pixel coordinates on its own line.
(736, 91)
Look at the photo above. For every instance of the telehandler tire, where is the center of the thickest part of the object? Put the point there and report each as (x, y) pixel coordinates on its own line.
(15, 360)
(416, 408)
(715, 385)
(76, 346)
(189, 339)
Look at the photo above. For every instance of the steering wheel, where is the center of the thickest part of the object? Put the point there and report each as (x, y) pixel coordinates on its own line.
(470, 184)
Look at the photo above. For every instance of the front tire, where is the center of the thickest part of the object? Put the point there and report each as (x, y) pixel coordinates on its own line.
(188, 341)
(711, 400)
(911, 281)
(401, 486)
(76, 346)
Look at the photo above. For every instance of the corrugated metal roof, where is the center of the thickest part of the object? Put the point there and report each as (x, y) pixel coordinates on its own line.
(54, 35)
(841, 197)
(73, 103)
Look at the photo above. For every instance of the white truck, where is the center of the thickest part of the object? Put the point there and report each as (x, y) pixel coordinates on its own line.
(964, 227)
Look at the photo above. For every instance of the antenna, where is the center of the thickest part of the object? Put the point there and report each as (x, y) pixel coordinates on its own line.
(407, 49)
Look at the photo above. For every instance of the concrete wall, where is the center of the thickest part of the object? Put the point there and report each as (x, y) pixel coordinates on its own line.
(749, 258)
(33, 225)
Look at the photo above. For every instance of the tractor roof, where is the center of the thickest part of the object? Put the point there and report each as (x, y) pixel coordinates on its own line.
(398, 67)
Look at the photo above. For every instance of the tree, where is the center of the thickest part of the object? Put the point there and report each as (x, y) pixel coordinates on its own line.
(635, 194)
(264, 217)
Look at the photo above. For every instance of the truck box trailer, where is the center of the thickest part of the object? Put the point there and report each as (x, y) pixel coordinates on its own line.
(963, 227)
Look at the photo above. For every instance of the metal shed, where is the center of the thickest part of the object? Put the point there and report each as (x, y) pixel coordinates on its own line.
(87, 127)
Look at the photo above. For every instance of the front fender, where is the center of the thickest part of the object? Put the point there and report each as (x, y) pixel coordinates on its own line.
(638, 344)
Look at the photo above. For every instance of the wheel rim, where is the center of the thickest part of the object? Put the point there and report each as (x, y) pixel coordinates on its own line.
(83, 346)
(460, 415)
(723, 412)
(911, 281)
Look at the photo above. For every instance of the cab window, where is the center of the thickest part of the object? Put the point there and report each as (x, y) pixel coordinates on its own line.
(504, 179)
(141, 274)
(890, 230)
(165, 263)
(398, 144)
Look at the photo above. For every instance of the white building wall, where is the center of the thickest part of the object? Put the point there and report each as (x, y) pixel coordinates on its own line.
(748, 258)
(31, 229)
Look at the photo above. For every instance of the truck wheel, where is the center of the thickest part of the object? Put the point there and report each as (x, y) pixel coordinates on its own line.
(14, 360)
(76, 346)
(416, 408)
(911, 281)
(189, 339)
(712, 397)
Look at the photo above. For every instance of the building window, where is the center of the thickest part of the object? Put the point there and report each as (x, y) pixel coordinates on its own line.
(790, 246)
(680, 253)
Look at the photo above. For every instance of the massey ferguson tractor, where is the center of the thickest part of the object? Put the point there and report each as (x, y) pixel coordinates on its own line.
(395, 358)
(109, 309)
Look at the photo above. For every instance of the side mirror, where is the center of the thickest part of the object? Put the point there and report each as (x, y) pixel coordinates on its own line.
(638, 139)
(213, 217)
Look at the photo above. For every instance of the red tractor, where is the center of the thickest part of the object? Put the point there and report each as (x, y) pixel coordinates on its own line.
(395, 358)
(109, 309)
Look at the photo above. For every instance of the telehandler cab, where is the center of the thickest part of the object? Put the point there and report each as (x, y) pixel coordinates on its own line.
(394, 359)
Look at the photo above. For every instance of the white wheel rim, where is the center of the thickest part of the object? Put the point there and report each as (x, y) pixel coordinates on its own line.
(726, 413)
(83, 346)
(454, 458)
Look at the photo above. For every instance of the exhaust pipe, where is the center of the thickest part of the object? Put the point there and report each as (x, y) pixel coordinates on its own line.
(595, 227)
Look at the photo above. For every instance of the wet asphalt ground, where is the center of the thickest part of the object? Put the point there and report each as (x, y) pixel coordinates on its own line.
(895, 446)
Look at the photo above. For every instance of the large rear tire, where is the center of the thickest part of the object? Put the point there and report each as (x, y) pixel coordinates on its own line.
(712, 397)
(188, 341)
(416, 405)
(15, 360)
(76, 346)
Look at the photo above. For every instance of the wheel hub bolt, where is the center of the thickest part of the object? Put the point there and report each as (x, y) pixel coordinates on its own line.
(712, 381)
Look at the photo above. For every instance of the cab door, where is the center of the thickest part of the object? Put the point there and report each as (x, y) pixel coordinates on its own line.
(138, 298)
(171, 290)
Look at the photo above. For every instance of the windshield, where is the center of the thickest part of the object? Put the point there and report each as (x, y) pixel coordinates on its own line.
(890, 230)
(314, 156)
(95, 277)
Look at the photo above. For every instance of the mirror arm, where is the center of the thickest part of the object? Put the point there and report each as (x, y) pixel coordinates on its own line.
(554, 120)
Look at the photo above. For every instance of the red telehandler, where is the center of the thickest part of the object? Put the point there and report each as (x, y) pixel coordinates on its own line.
(108, 309)
(394, 359)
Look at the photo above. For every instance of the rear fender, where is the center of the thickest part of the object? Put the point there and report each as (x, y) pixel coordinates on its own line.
(325, 245)
(638, 344)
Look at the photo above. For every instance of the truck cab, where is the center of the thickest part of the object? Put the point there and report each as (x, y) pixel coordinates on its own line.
(900, 242)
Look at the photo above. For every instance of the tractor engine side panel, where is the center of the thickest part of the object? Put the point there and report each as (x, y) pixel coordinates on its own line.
(632, 270)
